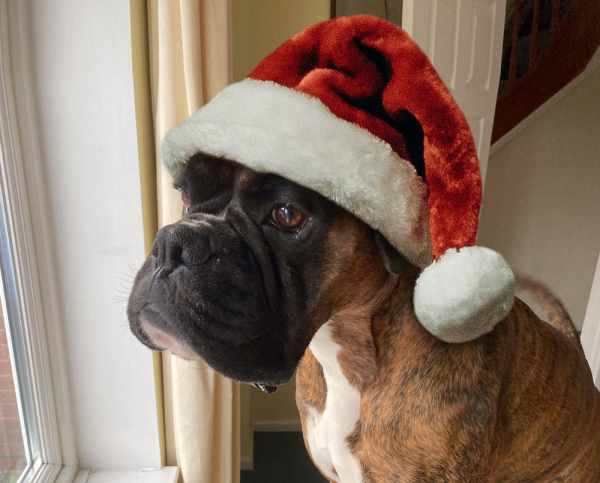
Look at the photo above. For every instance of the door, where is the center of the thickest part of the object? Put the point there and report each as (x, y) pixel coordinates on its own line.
(463, 39)
(590, 334)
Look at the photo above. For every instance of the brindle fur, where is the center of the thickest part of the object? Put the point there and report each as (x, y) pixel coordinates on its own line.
(517, 405)
(552, 307)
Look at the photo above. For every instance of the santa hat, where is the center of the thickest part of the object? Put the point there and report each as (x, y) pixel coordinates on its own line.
(354, 110)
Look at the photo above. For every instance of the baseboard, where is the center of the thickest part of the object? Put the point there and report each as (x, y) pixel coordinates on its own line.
(277, 426)
(168, 474)
(82, 476)
(68, 474)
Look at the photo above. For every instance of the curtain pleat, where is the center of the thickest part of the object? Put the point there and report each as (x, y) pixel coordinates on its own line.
(190, 60)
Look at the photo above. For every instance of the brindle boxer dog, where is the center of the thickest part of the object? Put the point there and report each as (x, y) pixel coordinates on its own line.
(263, 277)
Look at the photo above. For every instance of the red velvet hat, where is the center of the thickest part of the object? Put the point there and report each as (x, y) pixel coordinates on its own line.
(354, 110)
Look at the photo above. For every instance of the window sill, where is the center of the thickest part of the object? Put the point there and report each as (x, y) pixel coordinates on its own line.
(170, 474)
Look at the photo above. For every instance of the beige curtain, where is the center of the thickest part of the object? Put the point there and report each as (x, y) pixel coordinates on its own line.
(190, 61)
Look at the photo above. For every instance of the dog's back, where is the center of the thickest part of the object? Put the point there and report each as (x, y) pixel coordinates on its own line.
(554, 408)
(549, 409)
(516, 405)
(558, 317)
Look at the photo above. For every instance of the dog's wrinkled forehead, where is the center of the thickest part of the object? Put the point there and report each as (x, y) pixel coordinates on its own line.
(208, 184)
(213, 175)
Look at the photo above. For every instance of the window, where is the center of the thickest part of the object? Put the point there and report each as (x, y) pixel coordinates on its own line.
(18, 434)
(36, 434)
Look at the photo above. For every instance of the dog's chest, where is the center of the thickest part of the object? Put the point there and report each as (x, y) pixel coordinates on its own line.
(327, 431)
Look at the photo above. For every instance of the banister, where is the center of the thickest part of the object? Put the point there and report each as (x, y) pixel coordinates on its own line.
(574, 39)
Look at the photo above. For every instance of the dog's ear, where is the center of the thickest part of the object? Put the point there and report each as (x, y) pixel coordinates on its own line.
(393, 260)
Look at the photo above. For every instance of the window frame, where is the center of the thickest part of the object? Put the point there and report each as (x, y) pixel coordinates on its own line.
(34, 273)
(14, 337)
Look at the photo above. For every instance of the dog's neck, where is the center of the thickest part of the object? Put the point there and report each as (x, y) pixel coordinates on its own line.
(360, 328)
(349, 351)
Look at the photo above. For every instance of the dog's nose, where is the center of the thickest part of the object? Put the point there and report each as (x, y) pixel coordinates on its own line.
(180, 245)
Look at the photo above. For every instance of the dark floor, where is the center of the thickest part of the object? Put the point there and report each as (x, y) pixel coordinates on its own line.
(281, 457)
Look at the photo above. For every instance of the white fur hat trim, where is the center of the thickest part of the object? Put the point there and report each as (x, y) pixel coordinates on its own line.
(276, 129)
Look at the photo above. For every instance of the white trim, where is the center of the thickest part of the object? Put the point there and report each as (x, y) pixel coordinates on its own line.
(67, 474)
(42, 473)
(12, 184)
(31, 258)
(168, 474)
(250, 122)
(408, 13)
(8, 154)
(277, 426)
(590, 333)
(112, 430)
(82, 476)
(591, 67)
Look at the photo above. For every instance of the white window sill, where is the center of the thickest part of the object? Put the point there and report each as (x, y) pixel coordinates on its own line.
(169, 474)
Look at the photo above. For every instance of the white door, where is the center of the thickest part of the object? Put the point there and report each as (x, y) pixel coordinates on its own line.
(463, 39)
(590, 334)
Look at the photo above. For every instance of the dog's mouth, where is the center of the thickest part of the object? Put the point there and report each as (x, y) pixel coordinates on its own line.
(160, 340)
(268, 388)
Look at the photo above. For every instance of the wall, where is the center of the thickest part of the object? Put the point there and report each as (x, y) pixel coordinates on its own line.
(83, 86)
(258, 28)
(386, 9)
(541, 203)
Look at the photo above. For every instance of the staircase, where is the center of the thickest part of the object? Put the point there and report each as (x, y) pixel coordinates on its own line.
(547, 43)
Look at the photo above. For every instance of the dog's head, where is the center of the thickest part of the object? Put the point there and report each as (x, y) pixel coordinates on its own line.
(254, 268)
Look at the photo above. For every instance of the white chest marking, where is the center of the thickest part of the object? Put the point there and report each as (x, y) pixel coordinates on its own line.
(327, 431)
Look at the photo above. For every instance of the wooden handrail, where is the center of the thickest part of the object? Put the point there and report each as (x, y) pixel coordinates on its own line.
(555, 17)
(535, 35)
(512, 71)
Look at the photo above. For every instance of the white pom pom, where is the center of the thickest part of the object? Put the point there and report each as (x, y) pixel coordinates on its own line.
(464, 294)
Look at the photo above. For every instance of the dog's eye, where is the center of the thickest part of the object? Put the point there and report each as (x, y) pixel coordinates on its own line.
(288, 217)
(185, 197)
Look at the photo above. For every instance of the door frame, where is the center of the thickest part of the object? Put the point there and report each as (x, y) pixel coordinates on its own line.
(590, 334)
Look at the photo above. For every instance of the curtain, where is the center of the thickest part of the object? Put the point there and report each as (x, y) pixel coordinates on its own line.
(190, 62)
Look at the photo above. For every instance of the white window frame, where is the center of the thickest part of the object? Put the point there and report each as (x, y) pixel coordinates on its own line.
(32, 263)
(26, 196)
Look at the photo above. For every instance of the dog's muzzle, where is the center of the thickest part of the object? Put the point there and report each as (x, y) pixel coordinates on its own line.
(207, 292)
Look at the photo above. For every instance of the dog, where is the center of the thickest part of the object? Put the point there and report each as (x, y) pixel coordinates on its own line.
(263, 278)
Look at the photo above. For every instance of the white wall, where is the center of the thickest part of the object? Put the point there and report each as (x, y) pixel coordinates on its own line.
(83, 87)
(541, 202)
